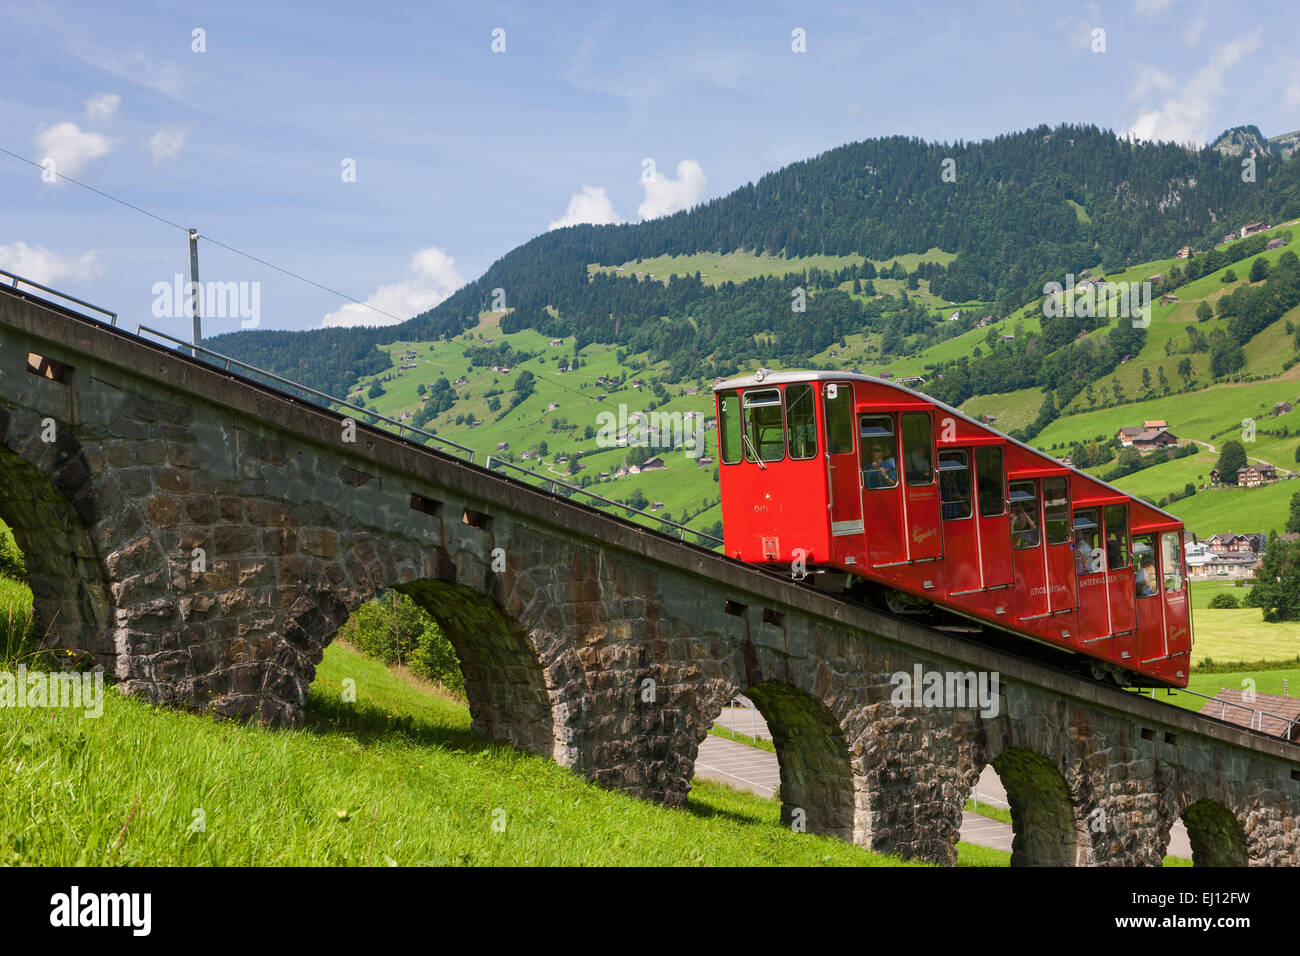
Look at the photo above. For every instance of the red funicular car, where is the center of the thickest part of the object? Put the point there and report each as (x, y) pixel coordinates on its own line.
(885, 492)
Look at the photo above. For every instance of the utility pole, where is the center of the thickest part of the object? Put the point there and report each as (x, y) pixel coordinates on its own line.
(196, 293)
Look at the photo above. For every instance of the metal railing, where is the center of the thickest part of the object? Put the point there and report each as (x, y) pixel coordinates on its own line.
(1256, 716)
(15, 279)
(489, 462)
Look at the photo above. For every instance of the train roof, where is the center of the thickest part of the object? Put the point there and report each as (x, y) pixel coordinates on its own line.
(764, 377)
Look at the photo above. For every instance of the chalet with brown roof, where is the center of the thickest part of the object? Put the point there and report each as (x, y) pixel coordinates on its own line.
(1252, 228)
(1252, 476)
(1276, 243)
(1281, 408)
(1186, 252)
(1232, 543)
(1168, 299)
(1150, 436)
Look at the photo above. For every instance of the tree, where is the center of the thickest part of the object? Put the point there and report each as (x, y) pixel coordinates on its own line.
(1231, 458)
(1185, 370)
(1228, 276)
(1204, 312)
(1277, 583)
(1226, 358)
(375, 390)
(1293, 522)
(420, 389)
(542, 449)
(1259, 269)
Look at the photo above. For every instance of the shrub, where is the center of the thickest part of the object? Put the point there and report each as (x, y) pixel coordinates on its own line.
(1224, 601)
(12, 563)
(396, 630)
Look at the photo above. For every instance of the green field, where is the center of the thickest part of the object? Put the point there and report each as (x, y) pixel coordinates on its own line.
(716, 268)
(1237, 509)
(1242, 635)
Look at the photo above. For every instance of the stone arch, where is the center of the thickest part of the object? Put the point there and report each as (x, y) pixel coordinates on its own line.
(1042, 812)
(523, 685)
(817, 780)
(505, 682)
(49, 499)
(1216, 835)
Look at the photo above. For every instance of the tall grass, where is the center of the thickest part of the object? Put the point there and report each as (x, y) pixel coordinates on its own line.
(15, 619)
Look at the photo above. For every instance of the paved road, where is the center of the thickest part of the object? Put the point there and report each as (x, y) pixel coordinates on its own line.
(748, 768)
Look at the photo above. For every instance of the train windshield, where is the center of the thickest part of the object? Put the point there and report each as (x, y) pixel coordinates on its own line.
(801, 418)
(729, 427)
(764, 429)
(1171, 556)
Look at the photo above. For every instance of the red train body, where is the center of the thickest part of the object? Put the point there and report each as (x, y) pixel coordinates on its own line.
(862, 481)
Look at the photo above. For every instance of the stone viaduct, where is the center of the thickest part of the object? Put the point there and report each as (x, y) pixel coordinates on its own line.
(602, 645)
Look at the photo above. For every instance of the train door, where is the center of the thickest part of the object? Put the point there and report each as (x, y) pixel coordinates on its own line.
(961, 531)
(1027, 552)
(1059, 557)
(842, 461)
(1119, 570)
(921, 494)
(1148, 642)
(1092, 623)
(882, 498)
(995, 543)
(1178, 629)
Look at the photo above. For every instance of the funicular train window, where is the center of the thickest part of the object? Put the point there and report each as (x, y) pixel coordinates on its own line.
(1087, 542)
(729, 427)
(918, 449)
(879, 459)
(1056, 509)
(988, 469)
(954, 484)
(839, 419)
(1171, 557)
(764, 429)
(1144, 563)
(1024, 514)
(1116, 537)
(801, 420)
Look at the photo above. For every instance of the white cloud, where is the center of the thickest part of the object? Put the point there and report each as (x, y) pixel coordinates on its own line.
(40, 265)
(70, 147)
(431, 277)
(102, 106)
(591, 205)
(167, 142)
(1151, 8)
(1186, 115)
(664, 196)
(1152, 78)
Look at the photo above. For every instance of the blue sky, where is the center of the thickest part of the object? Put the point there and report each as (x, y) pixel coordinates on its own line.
(461, 153)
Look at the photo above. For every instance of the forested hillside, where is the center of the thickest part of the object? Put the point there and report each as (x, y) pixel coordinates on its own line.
(1016, 211)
